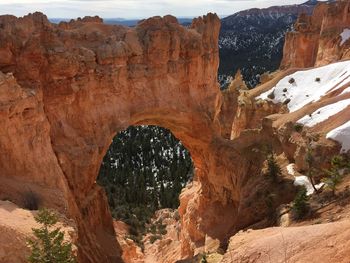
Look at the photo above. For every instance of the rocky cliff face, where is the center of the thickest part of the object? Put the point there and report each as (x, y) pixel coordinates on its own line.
(318, 39)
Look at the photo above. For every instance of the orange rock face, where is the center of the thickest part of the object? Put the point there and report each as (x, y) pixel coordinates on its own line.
(67, 89)
(317, 39)
(312, 243)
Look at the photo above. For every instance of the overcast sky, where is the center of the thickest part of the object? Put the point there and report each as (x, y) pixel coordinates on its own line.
(133, 8)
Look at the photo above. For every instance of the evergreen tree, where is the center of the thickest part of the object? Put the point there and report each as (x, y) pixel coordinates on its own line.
(309, 158)
(274, 170)
(300, 204)
(49, 245)
(334, 178)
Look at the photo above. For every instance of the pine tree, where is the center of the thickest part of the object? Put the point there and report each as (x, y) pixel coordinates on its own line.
(49, 245)
(300, 204)
(309, 158)
(334, 178)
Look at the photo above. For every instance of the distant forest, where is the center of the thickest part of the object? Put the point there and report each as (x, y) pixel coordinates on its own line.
(144, 170)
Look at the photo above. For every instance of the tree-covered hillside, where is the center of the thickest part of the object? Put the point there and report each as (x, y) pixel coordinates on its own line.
(252, 40)
(144, 170)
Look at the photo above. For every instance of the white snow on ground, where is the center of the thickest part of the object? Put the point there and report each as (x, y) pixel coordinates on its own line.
(342, 135)
(290, 168)
(324, 113)
(345, 35)
(305, 88)
(302, 180)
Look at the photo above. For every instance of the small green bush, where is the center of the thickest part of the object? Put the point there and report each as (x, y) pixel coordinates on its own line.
(286, 101)
(291, 80)
(300, 204)
(271, 95)
(204, 259)
(298, 127)
(49, 245)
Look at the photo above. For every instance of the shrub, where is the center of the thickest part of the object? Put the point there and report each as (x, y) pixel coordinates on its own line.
(204, 259)
(300, 204)
(273, 169)
(339, 162)
(291, 80)
(49, 245)
(30, 200)
(285, 90)
(334, 178)
(286, 101)
(298, 127)
(318, 79)
(271, 95)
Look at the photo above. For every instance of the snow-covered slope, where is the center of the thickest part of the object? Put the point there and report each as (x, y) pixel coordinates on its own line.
(324, 113)
(307, 86)
(300, 90)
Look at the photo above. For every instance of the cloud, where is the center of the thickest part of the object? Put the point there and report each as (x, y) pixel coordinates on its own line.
(132, 8)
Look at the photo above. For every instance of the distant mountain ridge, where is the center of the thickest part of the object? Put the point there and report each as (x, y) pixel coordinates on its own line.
(122, 21)
(252, 40)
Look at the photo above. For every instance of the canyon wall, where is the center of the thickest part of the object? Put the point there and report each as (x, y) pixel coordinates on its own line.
(317, 39)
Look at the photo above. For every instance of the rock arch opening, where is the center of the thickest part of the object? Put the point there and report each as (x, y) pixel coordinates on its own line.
(144, 170)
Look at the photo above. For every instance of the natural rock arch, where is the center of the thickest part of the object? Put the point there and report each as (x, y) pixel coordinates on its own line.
(67, 89)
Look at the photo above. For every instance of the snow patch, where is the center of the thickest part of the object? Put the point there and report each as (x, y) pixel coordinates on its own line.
(309, 85)
(345, 35)
(302, 180)
(324, 113)
(342, 135)
(347, 90)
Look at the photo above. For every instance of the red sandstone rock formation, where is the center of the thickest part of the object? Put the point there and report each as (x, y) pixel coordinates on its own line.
(67, 89)
(316, 39)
